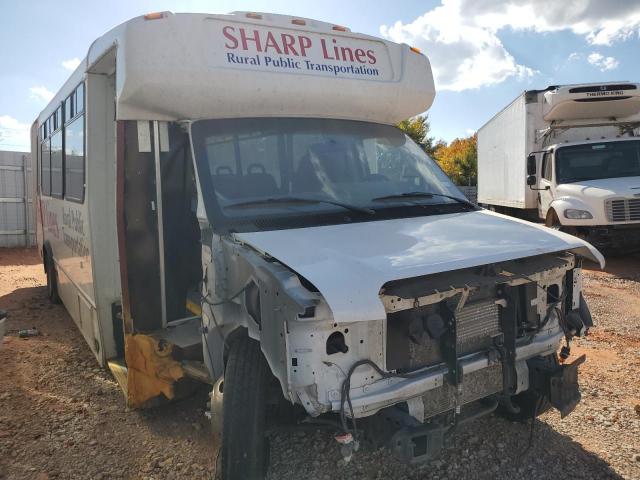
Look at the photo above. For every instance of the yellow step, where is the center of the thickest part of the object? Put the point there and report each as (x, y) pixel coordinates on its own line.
(119, 371)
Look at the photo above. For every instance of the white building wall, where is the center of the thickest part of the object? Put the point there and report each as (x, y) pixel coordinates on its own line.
(17, 217)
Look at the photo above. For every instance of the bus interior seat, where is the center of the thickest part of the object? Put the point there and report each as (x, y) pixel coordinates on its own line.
(321, 163)
(256, 183)
(330, 162)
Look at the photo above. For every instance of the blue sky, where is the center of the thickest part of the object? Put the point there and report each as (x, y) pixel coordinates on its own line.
(483, 52)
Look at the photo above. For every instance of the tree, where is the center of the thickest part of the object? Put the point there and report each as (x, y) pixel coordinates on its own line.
(459, 159)
(418, 129)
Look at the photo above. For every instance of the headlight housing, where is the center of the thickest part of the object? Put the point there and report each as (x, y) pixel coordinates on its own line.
(575, 214)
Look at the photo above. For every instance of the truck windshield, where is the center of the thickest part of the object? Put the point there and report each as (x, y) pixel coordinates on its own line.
(260, 170)
(598, 160)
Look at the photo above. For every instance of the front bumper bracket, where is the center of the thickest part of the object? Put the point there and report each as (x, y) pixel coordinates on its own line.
(564, 391)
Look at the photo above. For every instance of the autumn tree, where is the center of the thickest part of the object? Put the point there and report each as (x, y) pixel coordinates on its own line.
(459, 160)
(418, 129)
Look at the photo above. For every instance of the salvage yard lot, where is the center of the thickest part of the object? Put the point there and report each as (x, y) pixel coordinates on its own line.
(63, 417)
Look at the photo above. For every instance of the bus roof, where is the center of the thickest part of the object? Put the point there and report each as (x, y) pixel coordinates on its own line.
(192, 66)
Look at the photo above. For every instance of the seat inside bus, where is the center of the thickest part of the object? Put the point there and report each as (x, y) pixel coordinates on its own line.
(255, 182)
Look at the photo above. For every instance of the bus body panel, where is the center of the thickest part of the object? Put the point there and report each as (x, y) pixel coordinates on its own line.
(81, 236)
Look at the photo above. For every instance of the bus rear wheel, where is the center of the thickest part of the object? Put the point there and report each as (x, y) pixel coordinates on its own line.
(245, 447)
(52, 280)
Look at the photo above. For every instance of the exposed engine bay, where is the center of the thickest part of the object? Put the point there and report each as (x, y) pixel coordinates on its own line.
(454, 345)
(498, 310)
(457, 344)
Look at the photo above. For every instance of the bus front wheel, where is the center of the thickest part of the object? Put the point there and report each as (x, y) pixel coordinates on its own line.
(245, 448)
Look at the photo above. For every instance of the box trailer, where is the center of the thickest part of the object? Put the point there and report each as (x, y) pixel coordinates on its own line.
(568, 155)
(225, 199)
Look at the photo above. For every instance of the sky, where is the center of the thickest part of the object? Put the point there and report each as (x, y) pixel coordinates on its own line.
(483, 53)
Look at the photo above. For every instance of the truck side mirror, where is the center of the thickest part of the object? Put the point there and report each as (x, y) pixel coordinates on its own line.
(531, 180)
(531, 164)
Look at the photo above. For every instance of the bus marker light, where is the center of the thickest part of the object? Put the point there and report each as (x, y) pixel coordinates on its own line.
(154, 16)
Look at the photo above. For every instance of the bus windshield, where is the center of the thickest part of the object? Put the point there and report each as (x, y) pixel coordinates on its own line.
(264, 168)
(598, 160)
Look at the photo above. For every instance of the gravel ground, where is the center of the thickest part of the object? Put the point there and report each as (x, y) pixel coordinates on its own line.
(63, 417)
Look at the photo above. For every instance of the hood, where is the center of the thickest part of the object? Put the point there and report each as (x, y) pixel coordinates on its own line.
(602, 188)
(349, 263)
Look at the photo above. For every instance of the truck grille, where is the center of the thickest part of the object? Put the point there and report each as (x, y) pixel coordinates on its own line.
(623, 210)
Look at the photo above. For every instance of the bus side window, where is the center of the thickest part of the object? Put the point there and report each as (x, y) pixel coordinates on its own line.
(79, 99)
(56, 165)
(74, 165)
(45, 176)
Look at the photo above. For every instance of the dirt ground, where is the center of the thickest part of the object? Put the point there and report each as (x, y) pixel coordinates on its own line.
(63, 417)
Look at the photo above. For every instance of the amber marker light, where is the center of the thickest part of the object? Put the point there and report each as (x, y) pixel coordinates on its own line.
(154, 16)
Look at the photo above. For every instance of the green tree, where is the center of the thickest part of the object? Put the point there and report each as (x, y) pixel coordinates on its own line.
(418, 129)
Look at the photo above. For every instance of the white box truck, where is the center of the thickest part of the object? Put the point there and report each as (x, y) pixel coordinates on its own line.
(568, 155)
(225, 198)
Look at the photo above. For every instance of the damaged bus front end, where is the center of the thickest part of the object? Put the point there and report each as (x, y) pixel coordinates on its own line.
(440, 341)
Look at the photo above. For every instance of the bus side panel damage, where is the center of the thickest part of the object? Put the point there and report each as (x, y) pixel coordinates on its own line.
(152, 370)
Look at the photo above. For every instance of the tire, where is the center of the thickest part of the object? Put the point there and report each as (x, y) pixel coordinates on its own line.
(52, 281)
(553, 221)
(245, 449)
(529, 402)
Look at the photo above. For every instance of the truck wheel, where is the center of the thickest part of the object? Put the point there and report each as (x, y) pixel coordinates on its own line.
(52, 280)
(529, 401)
(245, 449)
(553, 221)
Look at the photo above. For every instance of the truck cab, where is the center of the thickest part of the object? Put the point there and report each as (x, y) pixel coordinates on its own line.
(568, 155)
(592, 189)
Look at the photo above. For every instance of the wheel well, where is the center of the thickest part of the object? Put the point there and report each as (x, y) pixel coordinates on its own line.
(551, 214)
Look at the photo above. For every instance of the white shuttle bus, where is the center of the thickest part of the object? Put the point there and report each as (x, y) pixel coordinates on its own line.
(225, 199)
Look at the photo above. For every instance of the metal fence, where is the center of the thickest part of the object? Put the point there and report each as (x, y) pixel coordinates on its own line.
(470, 192)
(17, 218)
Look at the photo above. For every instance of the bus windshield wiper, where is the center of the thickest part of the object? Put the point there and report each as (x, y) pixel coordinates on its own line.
(407, 195)
(301, 200)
